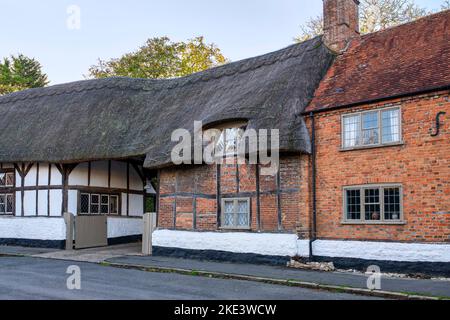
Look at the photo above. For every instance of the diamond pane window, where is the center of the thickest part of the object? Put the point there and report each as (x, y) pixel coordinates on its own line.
(99, 204)
(6, 179)
(6, 204)
(236, 213)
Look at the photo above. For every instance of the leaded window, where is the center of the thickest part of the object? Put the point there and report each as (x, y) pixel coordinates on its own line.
(236, 213)
(99, 204)
(371, 128)
(7, 182)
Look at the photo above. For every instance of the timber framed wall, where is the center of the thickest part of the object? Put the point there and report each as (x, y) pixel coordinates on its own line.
(190, 198)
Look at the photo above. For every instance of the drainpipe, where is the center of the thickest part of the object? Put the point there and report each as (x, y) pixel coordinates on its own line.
(314, 191)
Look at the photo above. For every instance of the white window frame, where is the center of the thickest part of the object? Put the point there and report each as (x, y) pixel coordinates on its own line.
(380, 129)
(362, 219)
(235, 213)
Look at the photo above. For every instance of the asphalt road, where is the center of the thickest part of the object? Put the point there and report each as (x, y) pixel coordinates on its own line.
(36, 279)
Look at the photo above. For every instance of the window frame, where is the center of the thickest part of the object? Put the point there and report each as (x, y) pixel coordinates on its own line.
(382, 220)
(235, 207)
(380, 129)
(100, 195)
(9, 190)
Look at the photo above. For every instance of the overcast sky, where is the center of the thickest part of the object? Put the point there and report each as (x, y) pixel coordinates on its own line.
(109, 28)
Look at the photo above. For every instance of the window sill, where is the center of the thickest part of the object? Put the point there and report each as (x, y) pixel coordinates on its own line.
(235, 229)
(387, 223)
(396, 144)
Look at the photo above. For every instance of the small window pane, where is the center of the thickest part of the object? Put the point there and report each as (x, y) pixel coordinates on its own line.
(391, 125)
(353, 204)
(9, 203)
(351, 131)
(114, 204)
(2, 204)
(370, 120)
(10, 179)
(392, 204)
(95, 204)
(104, 208)
(229, 213)
(84, 203)
(372, 204)
(243, 214)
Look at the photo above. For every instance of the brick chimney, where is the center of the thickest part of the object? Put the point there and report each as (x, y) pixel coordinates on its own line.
(341, 23)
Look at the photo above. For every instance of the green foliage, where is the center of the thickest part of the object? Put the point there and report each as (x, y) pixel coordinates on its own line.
(375, 15)
(162, 58)
(20, 73)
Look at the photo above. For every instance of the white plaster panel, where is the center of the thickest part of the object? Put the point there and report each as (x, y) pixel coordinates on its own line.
(136, 205)
(99, 174)
(30, 178)
(42, 203)
(124, 204)
(29, 203)
(55, 202)
(118, 175)
(135, 180)
(79, 175)
(56, 177)
(18, 206)
(43, 174)
(72, 201)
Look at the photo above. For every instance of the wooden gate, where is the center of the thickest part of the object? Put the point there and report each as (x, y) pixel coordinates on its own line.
(91, 231)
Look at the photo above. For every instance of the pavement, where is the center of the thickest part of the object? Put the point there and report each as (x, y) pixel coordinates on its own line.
(28, 278)
(129, 257)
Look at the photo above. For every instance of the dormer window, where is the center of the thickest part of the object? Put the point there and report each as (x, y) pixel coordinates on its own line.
(230, 136)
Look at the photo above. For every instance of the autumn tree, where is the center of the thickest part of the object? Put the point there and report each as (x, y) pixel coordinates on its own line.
(19, 73)
(162, 58)
(375, 15)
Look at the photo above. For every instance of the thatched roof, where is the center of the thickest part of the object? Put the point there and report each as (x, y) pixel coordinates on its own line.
(121, 117)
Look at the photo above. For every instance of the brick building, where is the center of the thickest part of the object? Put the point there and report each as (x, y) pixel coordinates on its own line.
(364, 151)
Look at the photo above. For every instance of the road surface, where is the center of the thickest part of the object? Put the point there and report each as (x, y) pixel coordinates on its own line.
(34, 279)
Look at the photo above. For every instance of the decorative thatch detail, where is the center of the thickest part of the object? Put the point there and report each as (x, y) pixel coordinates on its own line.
(120, 117)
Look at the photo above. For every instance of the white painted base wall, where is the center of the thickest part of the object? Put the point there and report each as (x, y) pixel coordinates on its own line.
(32, 228)
(259, 243)
(388, 251)
(122, 227)
(46, 228)
(289, 245)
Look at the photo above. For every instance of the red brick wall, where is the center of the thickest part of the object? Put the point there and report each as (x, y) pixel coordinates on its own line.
(191, 191)
(421, 165)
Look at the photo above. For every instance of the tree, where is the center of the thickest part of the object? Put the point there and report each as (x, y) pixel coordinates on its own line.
(162, 58)
(375, 15)
(20, 73)
(445, 5)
